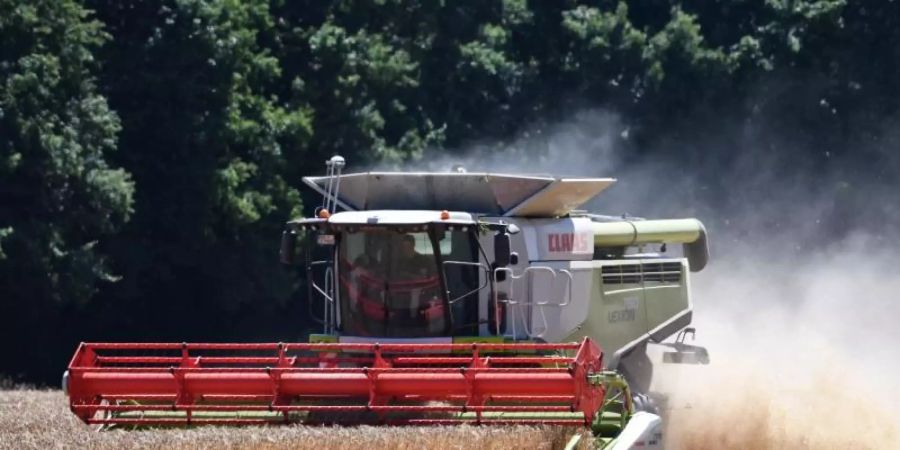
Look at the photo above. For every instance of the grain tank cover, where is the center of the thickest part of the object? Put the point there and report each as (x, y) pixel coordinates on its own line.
(476, 192)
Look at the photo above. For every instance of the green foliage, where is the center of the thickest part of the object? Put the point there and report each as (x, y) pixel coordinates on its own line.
(360, 81)
(209, 139)
(606, 44)
(58, 194)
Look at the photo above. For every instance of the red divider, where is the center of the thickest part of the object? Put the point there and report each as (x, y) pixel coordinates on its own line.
(178, 384)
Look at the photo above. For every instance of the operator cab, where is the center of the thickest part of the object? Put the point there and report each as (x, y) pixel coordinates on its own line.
(397, 274)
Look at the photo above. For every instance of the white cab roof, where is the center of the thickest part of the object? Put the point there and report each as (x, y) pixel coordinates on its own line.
(474, 192)
(398, 217)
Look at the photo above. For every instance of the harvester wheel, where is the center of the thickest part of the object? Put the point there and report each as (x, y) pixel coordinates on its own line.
(637, 369)
(643, 402)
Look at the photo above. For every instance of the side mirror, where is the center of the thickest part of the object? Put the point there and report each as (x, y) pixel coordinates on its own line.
(501, 250)
(288, 247)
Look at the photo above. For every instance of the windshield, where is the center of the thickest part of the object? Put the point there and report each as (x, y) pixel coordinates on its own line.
(391, 284)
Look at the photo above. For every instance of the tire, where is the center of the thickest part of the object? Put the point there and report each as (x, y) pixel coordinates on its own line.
(637, 369)
(643, 402)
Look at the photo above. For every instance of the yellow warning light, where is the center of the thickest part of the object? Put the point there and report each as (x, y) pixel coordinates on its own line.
(324, 214)
(445, 214)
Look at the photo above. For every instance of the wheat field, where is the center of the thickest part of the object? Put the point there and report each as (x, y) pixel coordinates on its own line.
(40, 419)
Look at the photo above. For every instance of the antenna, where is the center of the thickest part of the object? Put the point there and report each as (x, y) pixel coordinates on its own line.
(333, 172)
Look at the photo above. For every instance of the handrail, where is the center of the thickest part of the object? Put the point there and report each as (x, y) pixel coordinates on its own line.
(522, 306)
(470, 264)
(328, 313)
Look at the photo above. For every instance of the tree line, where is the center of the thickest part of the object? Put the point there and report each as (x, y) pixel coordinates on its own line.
(151, 151)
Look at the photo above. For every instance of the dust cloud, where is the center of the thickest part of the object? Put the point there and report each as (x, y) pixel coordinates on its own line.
(802, 352)
(799, 306)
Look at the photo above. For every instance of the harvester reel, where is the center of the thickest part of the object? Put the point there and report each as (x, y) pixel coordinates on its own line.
(394, 383)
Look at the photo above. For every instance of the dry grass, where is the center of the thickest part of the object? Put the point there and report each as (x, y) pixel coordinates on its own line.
(740, 407)
(41, 419)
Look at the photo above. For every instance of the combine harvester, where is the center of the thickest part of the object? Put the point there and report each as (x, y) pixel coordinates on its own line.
(443, 298)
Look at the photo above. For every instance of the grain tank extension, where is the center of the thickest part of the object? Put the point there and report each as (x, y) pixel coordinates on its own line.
(439, 298)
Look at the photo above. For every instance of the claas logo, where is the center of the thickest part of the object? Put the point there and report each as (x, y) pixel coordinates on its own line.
(569, 242)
